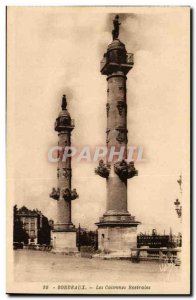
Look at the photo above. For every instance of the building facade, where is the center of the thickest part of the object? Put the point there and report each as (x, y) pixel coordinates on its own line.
(156, 240)
(153, 241)
(31, 226)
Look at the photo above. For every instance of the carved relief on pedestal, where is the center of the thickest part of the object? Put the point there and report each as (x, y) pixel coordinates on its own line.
(122, 108)
(55, 194)
(122, 135)
(125, 170)
(103, 169)
(107, 109)
(69, 194)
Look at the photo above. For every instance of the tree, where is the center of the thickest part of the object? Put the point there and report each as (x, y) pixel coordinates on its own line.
(44, 232)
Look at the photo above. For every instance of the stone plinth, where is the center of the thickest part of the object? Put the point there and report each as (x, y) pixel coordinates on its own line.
(64, 241)
(118, 238)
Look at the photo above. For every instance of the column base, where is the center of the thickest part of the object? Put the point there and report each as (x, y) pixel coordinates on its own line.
(64, 242)
(117, 239)
(64, 227)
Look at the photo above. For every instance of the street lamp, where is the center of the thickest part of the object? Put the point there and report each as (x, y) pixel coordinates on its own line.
(177, 203)
(178, 208)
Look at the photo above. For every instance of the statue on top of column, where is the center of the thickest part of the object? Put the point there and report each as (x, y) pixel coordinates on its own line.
(115, 31)
(64, 103)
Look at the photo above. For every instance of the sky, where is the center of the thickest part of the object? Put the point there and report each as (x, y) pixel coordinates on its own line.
(57, 50)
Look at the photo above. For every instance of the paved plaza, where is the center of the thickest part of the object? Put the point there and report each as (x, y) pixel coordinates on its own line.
(41, 266)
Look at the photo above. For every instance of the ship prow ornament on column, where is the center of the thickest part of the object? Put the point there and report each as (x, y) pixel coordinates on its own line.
(64, 232)
(117, 229)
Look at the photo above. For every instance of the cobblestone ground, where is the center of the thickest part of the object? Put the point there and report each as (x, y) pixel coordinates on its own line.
(40, 266)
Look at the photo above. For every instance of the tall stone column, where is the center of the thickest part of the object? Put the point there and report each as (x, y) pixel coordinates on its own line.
(117, 228)
(64, 233)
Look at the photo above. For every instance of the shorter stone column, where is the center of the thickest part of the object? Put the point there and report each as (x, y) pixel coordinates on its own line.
(64, 232)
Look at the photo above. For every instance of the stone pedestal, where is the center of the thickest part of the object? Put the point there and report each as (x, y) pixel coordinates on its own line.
(117, 238)
(64, 241)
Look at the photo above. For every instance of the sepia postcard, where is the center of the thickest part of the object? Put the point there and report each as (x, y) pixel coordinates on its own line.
(98, 150)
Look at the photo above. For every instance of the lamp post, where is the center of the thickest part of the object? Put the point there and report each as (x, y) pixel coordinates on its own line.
(177, 203)
(178, 208)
